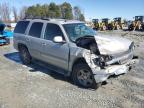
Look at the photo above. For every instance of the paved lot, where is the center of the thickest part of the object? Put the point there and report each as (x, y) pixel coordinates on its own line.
(35, 86)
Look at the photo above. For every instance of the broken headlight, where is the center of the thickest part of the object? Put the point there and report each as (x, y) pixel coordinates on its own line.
(105, 58)
(102, 59)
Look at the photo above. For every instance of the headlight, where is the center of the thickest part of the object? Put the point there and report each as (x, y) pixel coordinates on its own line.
(101, 61)
(105, 58)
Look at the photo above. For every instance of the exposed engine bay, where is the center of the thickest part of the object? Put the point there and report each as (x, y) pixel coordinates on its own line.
(89, 42)
(93, 58)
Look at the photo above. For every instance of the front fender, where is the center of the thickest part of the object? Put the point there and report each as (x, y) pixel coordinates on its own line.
(75, 55)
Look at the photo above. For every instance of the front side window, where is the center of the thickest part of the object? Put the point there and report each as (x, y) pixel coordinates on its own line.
(21, 27)
(51, 31)
(77, 30)
(36, 29)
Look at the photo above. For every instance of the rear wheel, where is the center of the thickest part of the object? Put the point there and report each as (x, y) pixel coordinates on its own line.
(83, 76)
(25, 55)
(7, 41)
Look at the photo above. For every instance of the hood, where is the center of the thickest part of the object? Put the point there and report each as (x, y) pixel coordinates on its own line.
(112, 45)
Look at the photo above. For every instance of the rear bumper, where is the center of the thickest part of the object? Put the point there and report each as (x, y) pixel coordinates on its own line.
(103, 74)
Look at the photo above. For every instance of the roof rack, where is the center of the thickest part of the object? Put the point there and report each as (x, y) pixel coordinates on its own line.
(45, 18)
(33, 17)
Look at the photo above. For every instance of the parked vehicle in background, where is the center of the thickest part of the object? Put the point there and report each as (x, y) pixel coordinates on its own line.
(4, 34)
(106, 24)
(137, 24)
(119, 24)
(96, 25)
(73, 49)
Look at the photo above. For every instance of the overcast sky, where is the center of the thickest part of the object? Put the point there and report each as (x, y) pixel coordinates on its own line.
(94, 8)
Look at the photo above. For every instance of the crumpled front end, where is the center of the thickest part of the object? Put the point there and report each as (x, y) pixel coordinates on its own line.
(104, 60)
(112, 67)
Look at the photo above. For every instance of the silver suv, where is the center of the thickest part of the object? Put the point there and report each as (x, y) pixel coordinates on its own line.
(73, 49)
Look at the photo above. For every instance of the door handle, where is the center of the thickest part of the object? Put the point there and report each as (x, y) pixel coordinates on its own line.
(27, 39)
(43, 44)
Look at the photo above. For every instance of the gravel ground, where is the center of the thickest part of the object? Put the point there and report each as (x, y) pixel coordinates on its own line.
(37, 87)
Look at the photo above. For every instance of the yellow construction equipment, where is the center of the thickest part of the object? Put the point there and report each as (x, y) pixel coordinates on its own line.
(137, 24)
(105, 24)
(95, 24)
(119, 23)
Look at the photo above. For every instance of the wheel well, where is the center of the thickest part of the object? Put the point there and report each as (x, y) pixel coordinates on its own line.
(79, 60)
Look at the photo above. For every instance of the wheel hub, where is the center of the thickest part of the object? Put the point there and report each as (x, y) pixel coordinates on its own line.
(85, 77)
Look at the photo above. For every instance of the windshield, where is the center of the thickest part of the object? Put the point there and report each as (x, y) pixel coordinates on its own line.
(77, 30)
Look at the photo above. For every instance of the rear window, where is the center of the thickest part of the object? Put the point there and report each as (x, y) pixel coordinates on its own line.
(21, 27)
(36, 29)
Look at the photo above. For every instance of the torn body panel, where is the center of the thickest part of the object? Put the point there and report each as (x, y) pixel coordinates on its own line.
(104, 64)
(101, 74)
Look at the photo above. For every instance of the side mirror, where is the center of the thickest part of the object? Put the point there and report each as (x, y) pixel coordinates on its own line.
(58, 39)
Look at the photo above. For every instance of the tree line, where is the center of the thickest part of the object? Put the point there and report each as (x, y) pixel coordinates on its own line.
(52, 10)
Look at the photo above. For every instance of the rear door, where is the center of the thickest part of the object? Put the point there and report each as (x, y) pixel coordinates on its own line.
(20, 33)
(55, 53)
(34, 39)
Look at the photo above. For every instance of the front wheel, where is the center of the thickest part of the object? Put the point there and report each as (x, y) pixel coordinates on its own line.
(83, 76)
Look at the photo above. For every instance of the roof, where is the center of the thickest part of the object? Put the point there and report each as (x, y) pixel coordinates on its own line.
(60, 21)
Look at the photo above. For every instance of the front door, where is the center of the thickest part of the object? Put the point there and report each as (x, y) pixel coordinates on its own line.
(55, 53)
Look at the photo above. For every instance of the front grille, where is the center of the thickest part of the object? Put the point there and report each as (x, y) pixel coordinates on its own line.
(121, 58)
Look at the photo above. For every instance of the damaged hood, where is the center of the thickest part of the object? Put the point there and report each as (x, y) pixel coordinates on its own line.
(112, 45)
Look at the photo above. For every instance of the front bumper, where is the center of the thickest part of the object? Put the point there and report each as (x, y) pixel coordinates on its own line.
(103, 74)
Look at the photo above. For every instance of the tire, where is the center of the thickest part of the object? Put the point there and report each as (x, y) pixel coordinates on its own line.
(131, 27)
(110, 27)
(118, 27)
(83, 76)
(25, 55)
(142, 27)
(104, 28)
(7, 41)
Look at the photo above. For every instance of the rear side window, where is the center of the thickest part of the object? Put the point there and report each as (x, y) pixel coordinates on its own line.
(21, 27)
(51, 31)
(36, 29)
